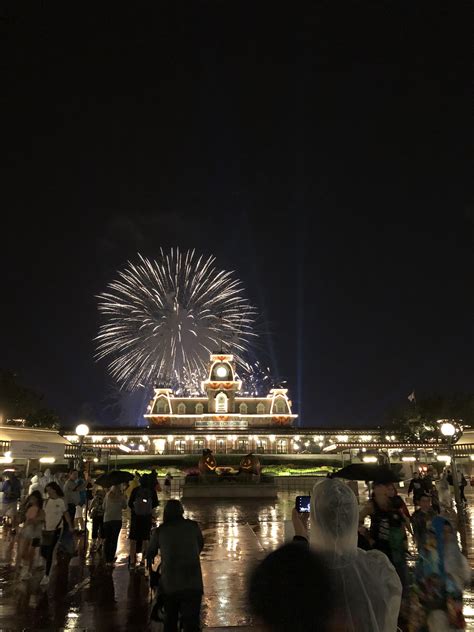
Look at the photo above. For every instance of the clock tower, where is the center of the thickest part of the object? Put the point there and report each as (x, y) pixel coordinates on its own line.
(222, 384)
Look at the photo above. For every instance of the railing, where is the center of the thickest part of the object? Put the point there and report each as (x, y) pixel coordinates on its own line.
(183, 452)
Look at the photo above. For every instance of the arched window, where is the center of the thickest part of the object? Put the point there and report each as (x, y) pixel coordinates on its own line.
(280, 406)
(221, 403)
(181, 409)
(242, 445)
(243, 409)
(199, 409)
(260, 409)
(282, 446)
(161, 406)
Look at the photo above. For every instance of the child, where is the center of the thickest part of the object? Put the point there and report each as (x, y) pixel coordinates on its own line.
(97, 514)
(30, 535)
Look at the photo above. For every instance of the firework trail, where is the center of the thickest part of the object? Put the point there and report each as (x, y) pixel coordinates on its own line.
(256, 380)
(163, 318)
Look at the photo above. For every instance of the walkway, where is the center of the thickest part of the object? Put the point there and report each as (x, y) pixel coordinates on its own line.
(91, 598)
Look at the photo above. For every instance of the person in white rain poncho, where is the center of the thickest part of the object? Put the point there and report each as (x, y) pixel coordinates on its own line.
(37, 484)
(366, 584)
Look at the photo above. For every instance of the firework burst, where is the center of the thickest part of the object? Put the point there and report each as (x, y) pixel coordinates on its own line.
(163, 318)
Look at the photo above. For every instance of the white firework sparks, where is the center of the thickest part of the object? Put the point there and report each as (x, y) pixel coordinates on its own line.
(256, 380)
(163, 318)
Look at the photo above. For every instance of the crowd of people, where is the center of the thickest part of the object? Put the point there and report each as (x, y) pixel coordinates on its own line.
(348, 572)
(48, 512)
(372, 588)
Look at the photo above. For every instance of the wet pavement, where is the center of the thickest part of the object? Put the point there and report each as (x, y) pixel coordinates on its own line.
(87, 596)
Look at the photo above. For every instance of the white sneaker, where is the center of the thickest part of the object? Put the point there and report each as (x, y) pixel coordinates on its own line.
(44, 581)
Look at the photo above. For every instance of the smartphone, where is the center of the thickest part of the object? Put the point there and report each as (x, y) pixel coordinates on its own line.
(303, 504)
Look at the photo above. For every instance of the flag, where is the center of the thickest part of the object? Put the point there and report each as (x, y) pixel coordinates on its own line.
(412, 397)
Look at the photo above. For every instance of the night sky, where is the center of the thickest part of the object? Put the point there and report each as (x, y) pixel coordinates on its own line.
(324, 154)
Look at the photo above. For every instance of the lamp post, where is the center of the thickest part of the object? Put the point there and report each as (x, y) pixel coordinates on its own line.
(82, 430)
(452, 432)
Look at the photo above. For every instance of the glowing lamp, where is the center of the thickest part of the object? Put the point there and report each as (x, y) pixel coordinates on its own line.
(82, 430)
(408, 459)
(370, 459)
(221, 371)
(47, 459)
(448, 429)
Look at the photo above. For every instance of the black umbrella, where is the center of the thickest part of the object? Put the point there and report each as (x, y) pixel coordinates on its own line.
(116, 477)
(367, 472)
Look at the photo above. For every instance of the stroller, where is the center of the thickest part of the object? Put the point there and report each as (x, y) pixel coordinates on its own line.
(157, 613)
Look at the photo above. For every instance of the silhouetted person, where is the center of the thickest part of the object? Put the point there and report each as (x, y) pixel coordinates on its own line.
(290, 591)
(180, 543)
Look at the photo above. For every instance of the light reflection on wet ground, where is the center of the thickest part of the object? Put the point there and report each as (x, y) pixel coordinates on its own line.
(87, 596)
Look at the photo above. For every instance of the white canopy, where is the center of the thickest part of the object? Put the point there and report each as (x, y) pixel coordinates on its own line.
(32, 443)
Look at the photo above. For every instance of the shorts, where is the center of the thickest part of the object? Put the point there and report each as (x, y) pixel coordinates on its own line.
(80, 512)
(140, 527)
(31, 531)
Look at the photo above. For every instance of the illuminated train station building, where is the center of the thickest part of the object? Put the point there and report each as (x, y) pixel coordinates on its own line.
(225, 420)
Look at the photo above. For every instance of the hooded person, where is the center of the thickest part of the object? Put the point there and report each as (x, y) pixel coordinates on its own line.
(36, 484)
(47, 476)
(368, 588)
(444, 493)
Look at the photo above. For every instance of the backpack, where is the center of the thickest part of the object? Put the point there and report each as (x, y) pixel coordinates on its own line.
(142, 505)
(97, 507)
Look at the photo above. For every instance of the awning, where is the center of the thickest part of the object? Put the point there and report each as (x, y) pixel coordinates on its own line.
(30, 443)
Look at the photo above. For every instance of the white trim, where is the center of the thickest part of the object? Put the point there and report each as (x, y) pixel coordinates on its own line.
(251, 415)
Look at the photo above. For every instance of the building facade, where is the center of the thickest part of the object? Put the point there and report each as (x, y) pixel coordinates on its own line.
(225, 420)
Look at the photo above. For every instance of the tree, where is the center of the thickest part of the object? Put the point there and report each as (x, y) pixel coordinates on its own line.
(18, 402)
(418, 421)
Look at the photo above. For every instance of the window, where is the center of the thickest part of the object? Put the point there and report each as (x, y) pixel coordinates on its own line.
(262, 446)
(260, 409)
(221, 403)
(180, 446)
(220, 446)
(199, 409)
(181, 409)
(198, 445)
(282, 446)
(161, 406)
(242, 445)
(280, 406)
(243, 409)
